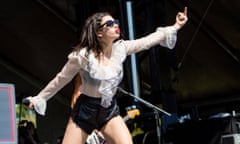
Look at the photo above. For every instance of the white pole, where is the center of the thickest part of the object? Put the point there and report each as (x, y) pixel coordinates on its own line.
(135, 79)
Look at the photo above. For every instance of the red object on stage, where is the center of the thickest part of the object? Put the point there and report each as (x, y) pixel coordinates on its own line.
(8, 133)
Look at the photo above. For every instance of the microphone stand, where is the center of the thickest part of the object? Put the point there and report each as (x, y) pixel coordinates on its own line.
(155, 109)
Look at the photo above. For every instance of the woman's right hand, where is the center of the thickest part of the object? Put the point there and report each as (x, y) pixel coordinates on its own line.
(37, 103)
(27, 103)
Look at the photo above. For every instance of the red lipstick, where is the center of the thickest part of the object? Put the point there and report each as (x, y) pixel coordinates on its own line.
(118, 30)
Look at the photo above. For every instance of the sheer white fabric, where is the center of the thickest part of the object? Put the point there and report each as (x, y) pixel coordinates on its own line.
(98, 80)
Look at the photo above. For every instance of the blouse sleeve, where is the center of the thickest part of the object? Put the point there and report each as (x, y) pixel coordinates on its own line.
(165, 36)
(67, 73)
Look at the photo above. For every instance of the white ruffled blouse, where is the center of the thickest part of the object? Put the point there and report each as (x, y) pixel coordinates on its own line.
(101, 80)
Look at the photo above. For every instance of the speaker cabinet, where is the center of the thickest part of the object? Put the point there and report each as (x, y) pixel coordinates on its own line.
(230, 139)
(209, 131)
(8, 133)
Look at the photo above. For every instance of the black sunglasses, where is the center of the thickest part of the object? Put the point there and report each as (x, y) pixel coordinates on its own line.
(110, 23)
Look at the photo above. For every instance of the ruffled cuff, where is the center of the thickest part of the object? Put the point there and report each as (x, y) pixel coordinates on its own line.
(171, 37)
(39, 104)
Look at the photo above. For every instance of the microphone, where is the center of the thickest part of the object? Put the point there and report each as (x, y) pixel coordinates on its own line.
(26, 102)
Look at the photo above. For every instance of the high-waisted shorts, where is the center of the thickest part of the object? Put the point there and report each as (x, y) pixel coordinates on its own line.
(88, 113)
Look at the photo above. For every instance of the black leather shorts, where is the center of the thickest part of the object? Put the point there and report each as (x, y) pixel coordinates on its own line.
(88, 113)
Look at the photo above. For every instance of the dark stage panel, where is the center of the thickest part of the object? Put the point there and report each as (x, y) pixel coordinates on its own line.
(208, 131)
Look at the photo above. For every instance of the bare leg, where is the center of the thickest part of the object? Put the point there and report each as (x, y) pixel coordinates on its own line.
(74, 134)
(116, 132)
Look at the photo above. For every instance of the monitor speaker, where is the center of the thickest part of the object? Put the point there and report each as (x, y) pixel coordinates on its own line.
(205, 131)
(230, 139)
(8, 132)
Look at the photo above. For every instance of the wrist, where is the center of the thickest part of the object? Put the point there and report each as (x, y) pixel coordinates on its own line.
(177, 26)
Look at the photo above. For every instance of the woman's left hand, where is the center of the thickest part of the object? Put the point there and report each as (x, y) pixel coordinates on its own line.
(181, 19)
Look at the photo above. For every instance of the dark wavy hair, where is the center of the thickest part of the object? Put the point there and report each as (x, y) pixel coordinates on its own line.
(88, 37)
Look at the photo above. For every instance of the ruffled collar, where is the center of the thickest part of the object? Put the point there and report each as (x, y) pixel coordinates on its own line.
(104, 72)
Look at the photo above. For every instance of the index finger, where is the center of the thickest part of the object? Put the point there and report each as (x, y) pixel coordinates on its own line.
(185, 10)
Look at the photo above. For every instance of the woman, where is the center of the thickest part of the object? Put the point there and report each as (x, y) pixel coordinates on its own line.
(98, 58)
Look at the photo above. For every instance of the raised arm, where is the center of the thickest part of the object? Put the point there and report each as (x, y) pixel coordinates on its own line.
(165, 36)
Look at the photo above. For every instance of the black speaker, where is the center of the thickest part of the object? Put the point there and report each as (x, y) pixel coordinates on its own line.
(8, 132)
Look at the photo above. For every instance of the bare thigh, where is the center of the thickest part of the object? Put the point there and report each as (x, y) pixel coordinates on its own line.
(116, 131)
(74, 134)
